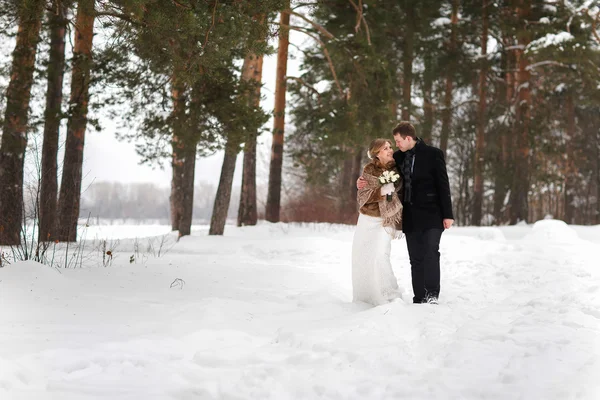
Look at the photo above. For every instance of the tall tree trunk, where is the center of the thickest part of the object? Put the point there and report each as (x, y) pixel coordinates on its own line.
(223, 197)
(427, 127)
(407, 62)
(520, 186)
(70, 187)
(274, 191)
(14, 130)
(571, 169)
(247, 214)
(178, 125)
(503, 172)
(187, 189)
(57, 17)
(478, 164)
(251, 70)
(450, 70)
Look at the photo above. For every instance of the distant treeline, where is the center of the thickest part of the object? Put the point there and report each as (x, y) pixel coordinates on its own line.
(144, 201)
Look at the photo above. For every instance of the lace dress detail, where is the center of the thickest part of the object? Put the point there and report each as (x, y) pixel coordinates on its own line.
(373, 280)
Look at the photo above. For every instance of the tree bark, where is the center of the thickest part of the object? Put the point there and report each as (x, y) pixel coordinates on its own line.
(57, 17)
(481, 124)
(70, 187)
(272, 212)
(251, 70)
(520, 185)
(187, 186)
(247, 214)
(503, 172)
(178, 122)
(450, 69)
(14, 130)
(407, 62)
(571, 169)
(223, 197)
(427, 127)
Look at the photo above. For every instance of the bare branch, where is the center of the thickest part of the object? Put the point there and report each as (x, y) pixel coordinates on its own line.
(305, 5)
(320, 28)
(325, 52)
(177, 3)
(303, 83)
(212, 25)
(120, 16)
(547, 62)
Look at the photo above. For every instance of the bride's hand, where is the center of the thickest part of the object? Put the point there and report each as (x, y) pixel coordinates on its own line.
(361, 183)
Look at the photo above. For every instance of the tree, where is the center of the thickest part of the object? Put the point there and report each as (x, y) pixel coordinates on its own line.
(57, 18)
(14, 132)
(252, 76)
(178, 126)
(274, 191)
(450, 76)
(481, 122)
(201, 52)
(70, 187)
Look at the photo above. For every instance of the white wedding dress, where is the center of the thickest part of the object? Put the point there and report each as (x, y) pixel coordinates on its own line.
(373, 280)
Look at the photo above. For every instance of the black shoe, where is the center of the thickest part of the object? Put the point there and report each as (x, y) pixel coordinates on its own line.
(418, 301)
(431, 300)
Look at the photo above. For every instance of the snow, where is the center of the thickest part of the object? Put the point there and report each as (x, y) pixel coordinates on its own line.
(441, 22)
(551, 39)
(561, 87)
(265, 312)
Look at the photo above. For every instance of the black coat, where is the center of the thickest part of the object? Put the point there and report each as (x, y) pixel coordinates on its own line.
(431, 202)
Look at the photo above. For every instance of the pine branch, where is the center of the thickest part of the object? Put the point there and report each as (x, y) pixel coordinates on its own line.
(212, 25)
(361, 17)
(547, 62)
(120, 16)
(303, 83)
(177, 3)
(325, 52)
(320, 28)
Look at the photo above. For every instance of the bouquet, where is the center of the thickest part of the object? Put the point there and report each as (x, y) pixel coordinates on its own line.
(387, 179)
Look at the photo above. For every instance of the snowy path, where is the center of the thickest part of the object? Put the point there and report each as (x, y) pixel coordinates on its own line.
(265, 313)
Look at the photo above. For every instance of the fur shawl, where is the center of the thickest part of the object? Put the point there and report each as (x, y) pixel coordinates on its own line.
(373, 204)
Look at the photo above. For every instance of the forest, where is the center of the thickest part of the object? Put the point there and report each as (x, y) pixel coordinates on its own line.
(509, 90)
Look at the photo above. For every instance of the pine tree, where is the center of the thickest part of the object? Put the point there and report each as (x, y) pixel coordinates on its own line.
(272, 212)
(70, 187)
(15, 126)
(57, 19)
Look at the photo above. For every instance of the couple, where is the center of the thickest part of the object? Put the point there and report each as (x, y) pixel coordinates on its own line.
(418, 204)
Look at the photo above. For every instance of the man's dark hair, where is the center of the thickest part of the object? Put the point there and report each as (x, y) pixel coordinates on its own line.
(404, 129)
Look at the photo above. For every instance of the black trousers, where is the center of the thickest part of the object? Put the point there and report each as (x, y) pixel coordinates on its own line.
(424, 254)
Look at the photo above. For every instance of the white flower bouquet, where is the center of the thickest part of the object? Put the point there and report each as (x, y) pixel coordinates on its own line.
(387, 179)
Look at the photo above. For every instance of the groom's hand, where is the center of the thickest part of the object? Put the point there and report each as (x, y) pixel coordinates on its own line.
(361, 182)
(448, 223)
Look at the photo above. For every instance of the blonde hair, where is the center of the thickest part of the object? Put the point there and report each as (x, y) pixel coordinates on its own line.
(375, 147)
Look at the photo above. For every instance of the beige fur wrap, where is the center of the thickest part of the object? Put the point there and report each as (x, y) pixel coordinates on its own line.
(391, 211)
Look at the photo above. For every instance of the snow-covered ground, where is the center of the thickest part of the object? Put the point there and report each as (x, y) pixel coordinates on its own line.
(265, 312)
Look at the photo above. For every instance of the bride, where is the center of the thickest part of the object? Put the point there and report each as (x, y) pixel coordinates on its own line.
(379, 221)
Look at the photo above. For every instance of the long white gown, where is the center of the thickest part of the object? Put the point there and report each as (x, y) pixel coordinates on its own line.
(373, 280)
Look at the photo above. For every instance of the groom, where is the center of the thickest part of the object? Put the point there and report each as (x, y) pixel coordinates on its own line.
(427, 208)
